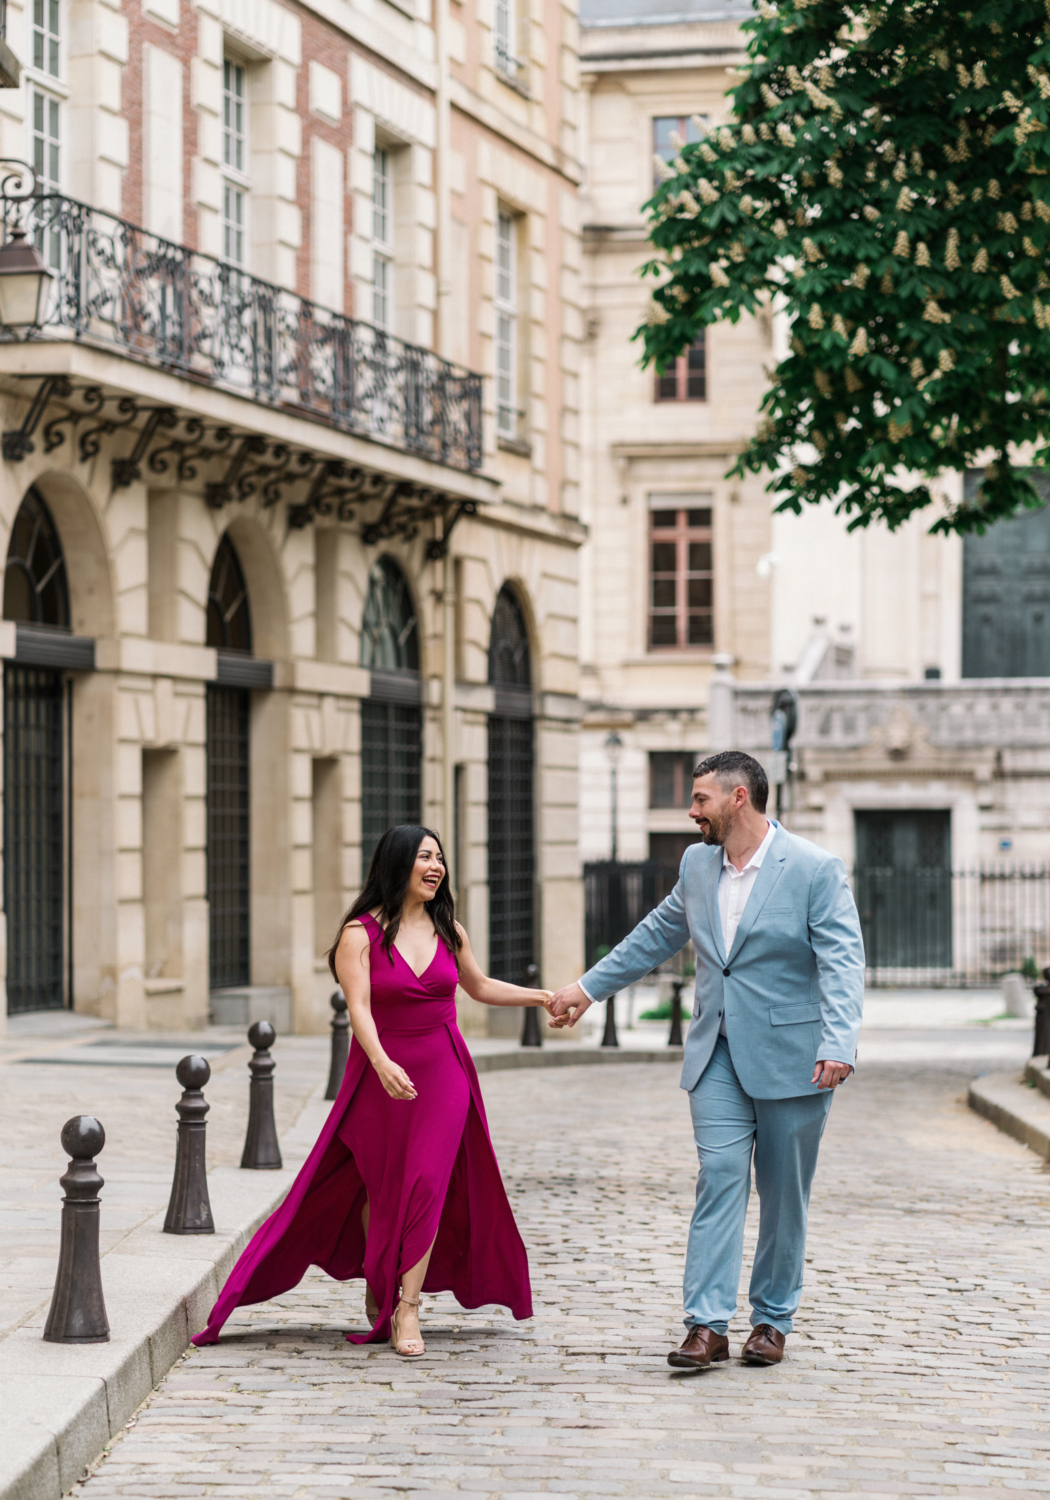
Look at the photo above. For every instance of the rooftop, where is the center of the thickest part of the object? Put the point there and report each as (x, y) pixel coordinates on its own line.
(595, 13)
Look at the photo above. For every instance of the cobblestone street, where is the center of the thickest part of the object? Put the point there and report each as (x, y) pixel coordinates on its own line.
(919, 1365)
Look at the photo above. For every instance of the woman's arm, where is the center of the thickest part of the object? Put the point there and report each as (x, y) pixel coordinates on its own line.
(353, 968)
(492, 991)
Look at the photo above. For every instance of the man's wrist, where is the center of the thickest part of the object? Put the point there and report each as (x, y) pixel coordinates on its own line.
(580, 986)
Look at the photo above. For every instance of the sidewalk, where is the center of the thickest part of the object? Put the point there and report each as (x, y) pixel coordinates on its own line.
(62, 1403)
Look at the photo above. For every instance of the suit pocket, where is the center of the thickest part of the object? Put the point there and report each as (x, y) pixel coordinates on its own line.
(792, 1015)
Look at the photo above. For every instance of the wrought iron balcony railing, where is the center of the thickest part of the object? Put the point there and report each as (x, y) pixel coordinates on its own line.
(169, 306)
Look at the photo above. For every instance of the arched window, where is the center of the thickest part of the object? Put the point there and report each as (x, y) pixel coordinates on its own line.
(36, 732)
(392, 714)
(229, 791)
(389, 635)
(229, 614)
(509, 664)
(512, 937)
(35, 585)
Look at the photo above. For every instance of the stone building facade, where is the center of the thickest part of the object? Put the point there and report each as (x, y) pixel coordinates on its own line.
(289, 494)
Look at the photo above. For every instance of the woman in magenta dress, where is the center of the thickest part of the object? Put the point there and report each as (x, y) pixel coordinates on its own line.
(402, 1187)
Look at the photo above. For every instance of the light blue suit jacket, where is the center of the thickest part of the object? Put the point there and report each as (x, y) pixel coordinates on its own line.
(792, 987)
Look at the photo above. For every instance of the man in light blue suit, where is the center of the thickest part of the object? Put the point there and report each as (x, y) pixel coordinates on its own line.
(779, 992)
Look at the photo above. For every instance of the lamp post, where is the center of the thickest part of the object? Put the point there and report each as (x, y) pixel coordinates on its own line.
(25, 279)
(613, 746)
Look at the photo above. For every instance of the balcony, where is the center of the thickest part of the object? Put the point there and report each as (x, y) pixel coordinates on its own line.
(164, 305)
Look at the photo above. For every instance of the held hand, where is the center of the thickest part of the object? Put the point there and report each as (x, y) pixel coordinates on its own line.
(828, 1075)
(567, 1007)
(394, 1079)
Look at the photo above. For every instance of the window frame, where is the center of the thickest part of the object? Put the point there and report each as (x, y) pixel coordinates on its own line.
(684, 373)
(685, 126)
(506, 335)
(383, 237)
(682, 764)
(236, 178)
(504, 37)
(682, 535)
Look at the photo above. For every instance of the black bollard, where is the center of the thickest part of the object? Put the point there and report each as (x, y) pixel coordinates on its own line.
(1041, 1039)
(675, 1038)
(609, 1037)
(261, 1151)
(78, 1310)
(189, 1207)
(531, 1036)
(340, 1044)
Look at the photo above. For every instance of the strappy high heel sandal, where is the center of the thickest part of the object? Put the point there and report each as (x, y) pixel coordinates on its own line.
(404, 1348)
(371, 1305)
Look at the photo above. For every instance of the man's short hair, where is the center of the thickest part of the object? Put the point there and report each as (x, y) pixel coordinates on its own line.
(734, 768)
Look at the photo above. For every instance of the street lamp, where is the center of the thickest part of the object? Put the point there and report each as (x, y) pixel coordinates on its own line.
(613, 746)
(24, 276)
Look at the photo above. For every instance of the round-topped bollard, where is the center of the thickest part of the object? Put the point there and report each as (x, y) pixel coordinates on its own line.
(78, 1309)
(261, 1151)
(675, 1037)
(189, 1207)
(340, 1044)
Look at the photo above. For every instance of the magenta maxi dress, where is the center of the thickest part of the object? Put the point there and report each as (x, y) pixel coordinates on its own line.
(426, 1166)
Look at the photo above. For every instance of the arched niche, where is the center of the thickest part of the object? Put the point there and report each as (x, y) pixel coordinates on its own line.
(266, 592)
(89, 574)
(36, 584)
(510, 650)
(229, 614)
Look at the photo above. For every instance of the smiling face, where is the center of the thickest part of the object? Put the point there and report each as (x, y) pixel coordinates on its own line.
(714, 809)
(427, 873)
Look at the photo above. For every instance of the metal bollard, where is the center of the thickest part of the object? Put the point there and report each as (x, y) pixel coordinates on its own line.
(189, 1207)
(531, 1036)
(609, 1037)
(261, 1151)
(340, 1044)
(78, 1310)
(675, 1038)
(1041, 1039)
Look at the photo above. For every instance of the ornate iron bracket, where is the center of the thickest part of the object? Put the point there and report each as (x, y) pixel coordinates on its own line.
(16, 443)
(437, 547)
(128, 470)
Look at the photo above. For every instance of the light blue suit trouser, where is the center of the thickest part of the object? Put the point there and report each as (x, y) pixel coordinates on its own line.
(784, 1135)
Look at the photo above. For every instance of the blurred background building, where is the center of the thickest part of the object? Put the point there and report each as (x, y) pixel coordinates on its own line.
(289, 491)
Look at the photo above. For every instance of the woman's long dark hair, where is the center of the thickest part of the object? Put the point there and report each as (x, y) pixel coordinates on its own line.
(387, 882)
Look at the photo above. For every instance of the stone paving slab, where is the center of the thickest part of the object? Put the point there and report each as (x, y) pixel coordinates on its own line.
(919, 1366)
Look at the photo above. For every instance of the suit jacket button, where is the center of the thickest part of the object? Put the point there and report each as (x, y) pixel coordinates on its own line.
(726, 973)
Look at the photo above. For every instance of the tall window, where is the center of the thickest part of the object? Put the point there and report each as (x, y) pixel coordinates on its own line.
(670, 777)
(383, 239)
(686, 379)
(506, 325)
(511, 764)
(505, 24)
(392, 715)
(45, 107)
(670, 132)
(234, 163)
(680, 577)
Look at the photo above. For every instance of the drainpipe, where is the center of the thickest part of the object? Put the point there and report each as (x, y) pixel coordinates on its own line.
(448, 706)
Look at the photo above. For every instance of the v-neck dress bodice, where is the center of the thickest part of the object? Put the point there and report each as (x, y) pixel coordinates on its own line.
(425, 1166)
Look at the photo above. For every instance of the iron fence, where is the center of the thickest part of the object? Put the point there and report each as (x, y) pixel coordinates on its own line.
(923, 927)
(200, 317)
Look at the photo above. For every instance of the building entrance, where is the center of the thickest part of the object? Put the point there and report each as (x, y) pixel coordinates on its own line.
(512, 874)
(903, 886)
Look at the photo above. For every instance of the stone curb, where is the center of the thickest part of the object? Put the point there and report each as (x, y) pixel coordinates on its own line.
(1016, 1105)
(62, 1403)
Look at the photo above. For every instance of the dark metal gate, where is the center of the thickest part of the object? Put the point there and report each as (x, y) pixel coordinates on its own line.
(34, 829)
(229, 880)
(511, 854)
(903, 887)
(391, 770)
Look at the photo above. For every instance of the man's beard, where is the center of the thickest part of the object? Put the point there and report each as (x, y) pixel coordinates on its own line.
(717, 830)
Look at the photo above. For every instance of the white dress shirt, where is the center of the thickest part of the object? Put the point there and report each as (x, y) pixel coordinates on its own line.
(734, 888)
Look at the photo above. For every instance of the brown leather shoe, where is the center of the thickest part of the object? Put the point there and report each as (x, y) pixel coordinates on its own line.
(764, 1347)
(702, 1348)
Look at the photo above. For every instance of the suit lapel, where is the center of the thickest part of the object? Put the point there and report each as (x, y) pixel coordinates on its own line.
(770, 872)
(711, 878)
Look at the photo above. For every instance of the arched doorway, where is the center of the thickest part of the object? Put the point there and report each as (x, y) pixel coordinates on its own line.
(36, 773)
(392, 714)
(512, 937)
(228, 794)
